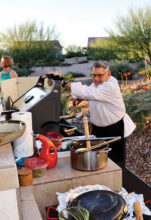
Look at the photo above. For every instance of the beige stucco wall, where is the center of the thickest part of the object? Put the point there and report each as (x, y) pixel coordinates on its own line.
(16, 87)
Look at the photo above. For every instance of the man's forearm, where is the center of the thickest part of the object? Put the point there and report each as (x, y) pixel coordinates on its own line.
(68, 86)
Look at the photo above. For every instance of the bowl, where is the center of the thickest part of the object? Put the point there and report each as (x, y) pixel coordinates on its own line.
(11, 130)
(56, 139)
(37, 165)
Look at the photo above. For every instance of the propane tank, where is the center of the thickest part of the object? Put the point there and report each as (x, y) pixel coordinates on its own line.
(45, 153)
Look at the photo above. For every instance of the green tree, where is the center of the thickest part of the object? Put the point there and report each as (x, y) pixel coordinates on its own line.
(133, 33)
(29, 43)
(75, 51)
(101, 49)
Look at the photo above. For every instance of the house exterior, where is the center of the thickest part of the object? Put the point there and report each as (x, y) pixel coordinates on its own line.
(93, 40)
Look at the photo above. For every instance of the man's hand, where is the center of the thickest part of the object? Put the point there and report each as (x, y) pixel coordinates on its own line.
(53, 76)
(50, 82)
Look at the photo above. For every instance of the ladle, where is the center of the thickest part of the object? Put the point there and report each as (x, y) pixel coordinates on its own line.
(101, 145)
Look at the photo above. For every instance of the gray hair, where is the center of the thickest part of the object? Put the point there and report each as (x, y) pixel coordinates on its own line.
(101, 64)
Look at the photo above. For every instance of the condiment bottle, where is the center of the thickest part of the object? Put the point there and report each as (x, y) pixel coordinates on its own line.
(25, 176)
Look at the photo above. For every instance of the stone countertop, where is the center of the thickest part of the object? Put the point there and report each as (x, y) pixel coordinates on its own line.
(6, 156)
(64, 171)
(8, 169)
(8, 205)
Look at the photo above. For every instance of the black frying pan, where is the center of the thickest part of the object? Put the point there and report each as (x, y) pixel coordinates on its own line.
(102, 204)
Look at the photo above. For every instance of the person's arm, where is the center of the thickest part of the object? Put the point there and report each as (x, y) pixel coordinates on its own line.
(102, 93)
(66, 84)
(86, 92)
(14, 74)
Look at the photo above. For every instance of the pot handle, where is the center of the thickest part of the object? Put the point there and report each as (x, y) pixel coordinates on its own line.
(138, 211)
(105, 151)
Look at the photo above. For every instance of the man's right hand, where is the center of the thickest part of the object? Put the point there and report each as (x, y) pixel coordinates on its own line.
(54, 76)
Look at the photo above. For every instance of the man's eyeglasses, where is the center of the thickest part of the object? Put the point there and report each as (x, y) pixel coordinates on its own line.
(98, 75)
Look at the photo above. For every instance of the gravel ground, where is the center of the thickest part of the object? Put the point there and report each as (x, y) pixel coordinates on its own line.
(84, 68)
(138, 154)
(76, 67)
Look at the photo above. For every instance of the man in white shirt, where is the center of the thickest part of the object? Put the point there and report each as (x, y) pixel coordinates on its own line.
(107, 109)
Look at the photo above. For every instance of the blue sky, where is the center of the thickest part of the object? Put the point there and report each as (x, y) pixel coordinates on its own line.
(76, 20)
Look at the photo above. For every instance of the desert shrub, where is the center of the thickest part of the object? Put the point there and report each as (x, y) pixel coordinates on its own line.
(22, 71)
(64, 105)
(75, 51)
(121, 67)
(101, 54)
(65, 64)
(75, 74)
(138, 106)
(145, 72)
(140, 65)
(83, 61)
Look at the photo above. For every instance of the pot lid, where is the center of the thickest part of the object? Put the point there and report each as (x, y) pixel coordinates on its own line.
(102, 204)
(35, 162)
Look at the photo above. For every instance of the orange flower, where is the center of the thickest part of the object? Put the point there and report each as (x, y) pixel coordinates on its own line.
(145, 88)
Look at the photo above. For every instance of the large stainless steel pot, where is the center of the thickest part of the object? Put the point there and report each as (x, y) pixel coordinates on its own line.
(92, 160)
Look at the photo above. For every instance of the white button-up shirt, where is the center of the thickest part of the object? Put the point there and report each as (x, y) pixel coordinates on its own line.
(105, 102)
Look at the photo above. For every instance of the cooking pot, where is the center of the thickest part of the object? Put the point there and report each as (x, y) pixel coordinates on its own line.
(91, 160)
(102, 204)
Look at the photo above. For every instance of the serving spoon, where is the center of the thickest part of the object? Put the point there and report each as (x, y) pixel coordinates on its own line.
(101, 145)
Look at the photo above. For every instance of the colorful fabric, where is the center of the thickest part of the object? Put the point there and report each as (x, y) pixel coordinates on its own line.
(5, 76)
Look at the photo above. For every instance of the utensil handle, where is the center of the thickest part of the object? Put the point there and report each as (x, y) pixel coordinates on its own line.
(138, 211)
(98, 145)
(86, 129)
(105, 143)
(67, 116)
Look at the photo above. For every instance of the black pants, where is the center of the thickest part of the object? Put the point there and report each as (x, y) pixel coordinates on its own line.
(117, 154)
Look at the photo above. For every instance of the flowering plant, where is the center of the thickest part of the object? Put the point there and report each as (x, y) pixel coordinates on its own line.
(145, 88)
(126, 76)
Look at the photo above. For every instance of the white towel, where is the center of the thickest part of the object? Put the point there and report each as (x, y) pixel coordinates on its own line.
(129, 125)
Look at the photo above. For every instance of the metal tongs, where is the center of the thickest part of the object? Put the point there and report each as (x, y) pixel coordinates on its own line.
(83, 138)
(100, 146)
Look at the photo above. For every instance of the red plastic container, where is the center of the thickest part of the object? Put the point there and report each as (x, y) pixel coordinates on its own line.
(37, 165)
(56, 139)
(49, 151)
